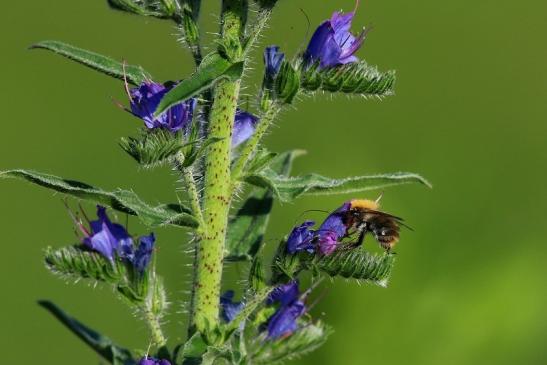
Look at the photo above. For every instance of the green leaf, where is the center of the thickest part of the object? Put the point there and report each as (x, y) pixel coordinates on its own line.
(246, 230)
(154, 148)
(355, 264)
(195, 346)
(308, 338)
(354, 78)
(160, 9)
(121, 200)
(99, 343)
(289, 188)
(212, 69)
(134, 74)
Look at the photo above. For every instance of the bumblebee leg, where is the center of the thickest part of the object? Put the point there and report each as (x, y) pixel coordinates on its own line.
(359, 241)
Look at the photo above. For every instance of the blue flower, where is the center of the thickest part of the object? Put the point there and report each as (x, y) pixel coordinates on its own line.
(333, 44)
(301, 238)
(327, 242)
(229, 309)
(285, 319)
(145, 99)
(335, 222)
(106, 237)
(143, 254)
(244, 127)
(113, 241)
(152, 361)
(273, 59)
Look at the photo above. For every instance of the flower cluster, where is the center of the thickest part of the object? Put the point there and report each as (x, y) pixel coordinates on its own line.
(324, 240)
(145, 99)
(113, 241)
(284, 321)
(291, 307)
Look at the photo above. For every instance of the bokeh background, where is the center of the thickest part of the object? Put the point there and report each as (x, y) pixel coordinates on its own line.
(470, 114)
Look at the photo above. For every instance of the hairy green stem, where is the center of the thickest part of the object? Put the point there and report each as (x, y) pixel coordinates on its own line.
(193, 194)
(158, 339)
(217, 193)
(256, 28)
(266, 120)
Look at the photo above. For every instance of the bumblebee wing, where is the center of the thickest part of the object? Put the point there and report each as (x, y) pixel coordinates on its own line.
(399, 220)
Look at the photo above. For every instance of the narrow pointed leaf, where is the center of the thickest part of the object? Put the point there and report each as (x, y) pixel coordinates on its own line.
(134, 74)
(212, 69)
(246, 230)
(163, 9)
(290, 188)
(99, 343)
(122, 200)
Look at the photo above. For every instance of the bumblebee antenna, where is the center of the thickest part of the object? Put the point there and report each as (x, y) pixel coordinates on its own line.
(307, 28)
(307, 211)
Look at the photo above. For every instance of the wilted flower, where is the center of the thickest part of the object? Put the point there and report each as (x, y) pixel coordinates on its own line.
(301, 238)
(284, 321)
(152, 361)
(333, 44)
(273, 58)
(244, 127)
(145, 100)
(228, 308)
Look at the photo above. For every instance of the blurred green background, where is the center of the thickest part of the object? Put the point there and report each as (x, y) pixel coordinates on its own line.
(470, 114)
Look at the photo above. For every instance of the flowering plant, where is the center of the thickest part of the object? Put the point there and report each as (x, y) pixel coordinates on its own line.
(196, 126)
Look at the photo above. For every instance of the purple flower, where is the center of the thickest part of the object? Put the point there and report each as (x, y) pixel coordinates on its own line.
(145, 100)
(285, 319)
(335, 222)
(229, 309)
(106, 237)
(301, 238)
(143, 254)
(333, 44)
(273, 59)
(284, 294)
(327, 242)
(152, 361)
(244, 127)
(112, 241)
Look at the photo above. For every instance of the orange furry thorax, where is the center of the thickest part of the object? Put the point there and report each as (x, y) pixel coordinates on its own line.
(364, 204)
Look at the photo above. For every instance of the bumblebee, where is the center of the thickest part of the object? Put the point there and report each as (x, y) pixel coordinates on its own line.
(363, 216)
